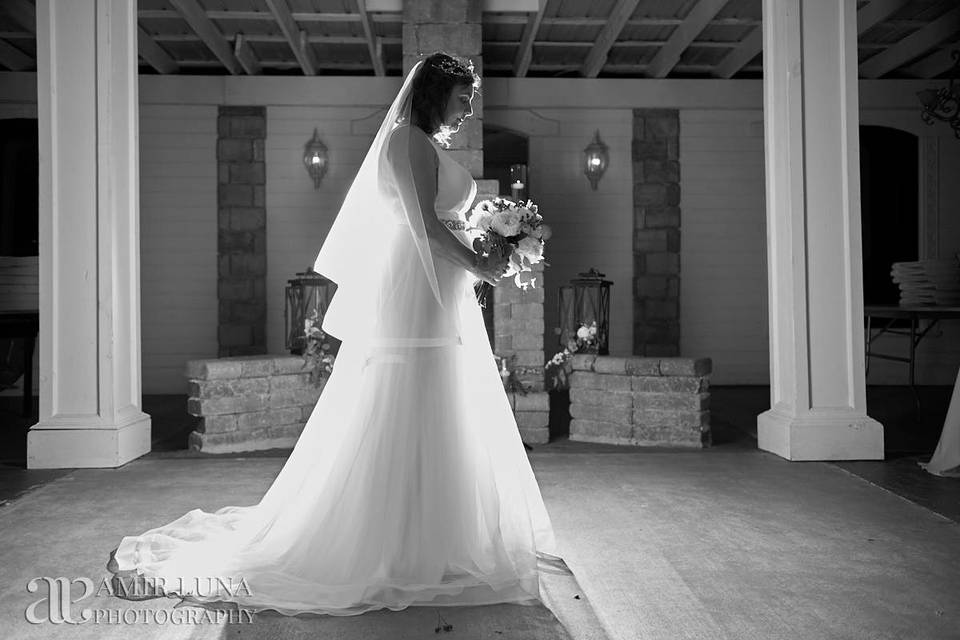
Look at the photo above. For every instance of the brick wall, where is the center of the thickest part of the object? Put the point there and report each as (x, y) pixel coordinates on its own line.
(656, 242)
(242, 231)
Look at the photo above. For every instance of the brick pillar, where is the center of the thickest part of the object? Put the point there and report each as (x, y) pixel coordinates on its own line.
(242, 237)
(656, 240)
(452, 26)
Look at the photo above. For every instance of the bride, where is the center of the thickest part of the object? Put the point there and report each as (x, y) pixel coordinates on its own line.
(409, 484)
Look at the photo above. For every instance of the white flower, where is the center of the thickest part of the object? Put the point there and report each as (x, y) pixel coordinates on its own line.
(506, 223)
(531, 249)
(583, 333)
(480, 220)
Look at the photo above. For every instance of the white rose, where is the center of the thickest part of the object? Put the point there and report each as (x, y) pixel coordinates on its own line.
(506, 223)
(481, 220)
(531, 249)
(583, 333)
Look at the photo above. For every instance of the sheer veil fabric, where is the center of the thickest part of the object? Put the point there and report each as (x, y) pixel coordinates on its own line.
(409, 484)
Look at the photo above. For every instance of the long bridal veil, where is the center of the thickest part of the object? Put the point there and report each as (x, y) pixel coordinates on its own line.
(409, 484)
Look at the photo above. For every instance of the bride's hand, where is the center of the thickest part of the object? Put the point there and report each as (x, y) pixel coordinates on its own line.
(491, 272)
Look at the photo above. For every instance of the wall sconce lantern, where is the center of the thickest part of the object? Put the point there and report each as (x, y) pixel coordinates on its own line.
(943, 104)
(315, 158)
(306, 293)
(584, 301)
(595, 160)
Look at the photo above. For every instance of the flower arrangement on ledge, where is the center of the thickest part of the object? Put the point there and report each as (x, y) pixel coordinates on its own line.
(558, 367)
(320, 352)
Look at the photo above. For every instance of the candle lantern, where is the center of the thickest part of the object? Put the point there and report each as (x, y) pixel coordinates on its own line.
(584, 301)
(315, 158)
(518, 181)
(596, 157)
(307, 293)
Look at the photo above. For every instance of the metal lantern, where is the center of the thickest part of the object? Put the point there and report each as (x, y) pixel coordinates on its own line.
(943, 104)
(595, 160)
(315, 158)
(306, 293)
(584, 301)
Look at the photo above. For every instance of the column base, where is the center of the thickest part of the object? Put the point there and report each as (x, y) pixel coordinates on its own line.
(55, 447)
(820, 434)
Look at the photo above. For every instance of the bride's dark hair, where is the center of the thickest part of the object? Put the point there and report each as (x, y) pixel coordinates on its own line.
(440, 73)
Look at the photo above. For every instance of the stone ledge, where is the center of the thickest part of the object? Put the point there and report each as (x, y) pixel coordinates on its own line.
(249, 403)
(640, 400)
(641, 366)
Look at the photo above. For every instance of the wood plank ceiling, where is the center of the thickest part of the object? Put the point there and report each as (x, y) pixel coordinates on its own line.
(565, 38)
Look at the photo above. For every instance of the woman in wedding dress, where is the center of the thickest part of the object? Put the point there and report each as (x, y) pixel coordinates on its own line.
(409, 484)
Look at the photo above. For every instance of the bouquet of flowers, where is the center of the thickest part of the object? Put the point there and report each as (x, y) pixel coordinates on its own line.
(511, 233)
(558, 367)
(321, 350)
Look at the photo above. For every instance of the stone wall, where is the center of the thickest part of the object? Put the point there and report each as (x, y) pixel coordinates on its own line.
(640, 401)
(242, 231)
(249, 403)
(518, 334)
(656, 241)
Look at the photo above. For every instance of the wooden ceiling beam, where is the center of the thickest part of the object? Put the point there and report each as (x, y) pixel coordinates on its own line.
(296, 38)
(743, 53)
(525, 53)
(876, 12)
(14, 59)
(23, 13)
(246, 56)
(914, 45)
(373, 43)
(153, 54)
(194, 15)
(692, 26)
(933, 65)
(618, 18)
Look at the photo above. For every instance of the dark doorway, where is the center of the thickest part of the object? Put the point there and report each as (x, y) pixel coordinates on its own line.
(889, 191)
(19, 180)
(501, 149)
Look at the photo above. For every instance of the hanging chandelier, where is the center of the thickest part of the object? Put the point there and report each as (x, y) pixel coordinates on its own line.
(943, 104)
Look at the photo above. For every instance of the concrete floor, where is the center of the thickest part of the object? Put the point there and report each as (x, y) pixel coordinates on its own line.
(724, 543)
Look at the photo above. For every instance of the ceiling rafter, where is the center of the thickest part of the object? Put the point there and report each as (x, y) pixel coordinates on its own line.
(916, 44)
(373, 42)
(153, 54)
(14, 59)
(618, 18)
(23, 13)
(743, 53)
(876, 12)
(246, 56)
(193, 14)
(933, 65)
(693, 25)
(296, 38)
(525, 53)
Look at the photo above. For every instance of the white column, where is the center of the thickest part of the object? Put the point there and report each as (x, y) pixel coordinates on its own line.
(818, 393)
(89, 237)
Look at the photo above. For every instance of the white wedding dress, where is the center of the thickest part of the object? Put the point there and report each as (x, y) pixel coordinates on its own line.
(409, 484)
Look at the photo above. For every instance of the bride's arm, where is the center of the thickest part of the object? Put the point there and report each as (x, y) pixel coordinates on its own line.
(424, 163)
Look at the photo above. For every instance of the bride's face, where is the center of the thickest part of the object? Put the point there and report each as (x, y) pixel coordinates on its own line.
(459, 106)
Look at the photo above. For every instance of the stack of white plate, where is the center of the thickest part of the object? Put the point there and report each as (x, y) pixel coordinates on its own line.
(928, 282)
